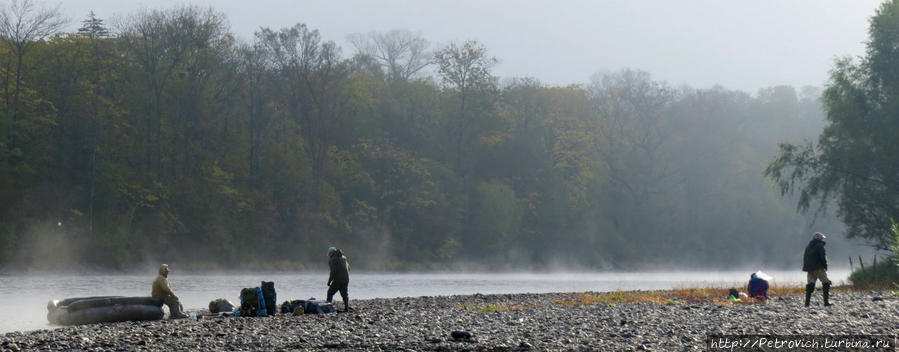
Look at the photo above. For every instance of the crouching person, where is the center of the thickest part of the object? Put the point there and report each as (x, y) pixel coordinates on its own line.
(163, 290)
(758, 286)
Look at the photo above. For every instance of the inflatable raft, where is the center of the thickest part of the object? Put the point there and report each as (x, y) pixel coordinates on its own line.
(89, 310)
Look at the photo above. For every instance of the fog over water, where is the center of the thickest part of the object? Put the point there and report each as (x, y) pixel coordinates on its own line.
(23, 299)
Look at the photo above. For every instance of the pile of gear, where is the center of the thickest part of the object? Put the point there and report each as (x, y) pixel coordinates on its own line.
(256, 301)
(260, 301)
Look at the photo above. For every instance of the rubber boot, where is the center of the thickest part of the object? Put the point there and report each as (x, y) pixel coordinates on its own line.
(346, 303)
(176, 312)
(809, 288)
(827, 295)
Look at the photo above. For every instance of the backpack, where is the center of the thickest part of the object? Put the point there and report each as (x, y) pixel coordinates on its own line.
(268, 291)
(249, 302)
(261, 312)
(318, 307)
(252, 302)
(289, 306)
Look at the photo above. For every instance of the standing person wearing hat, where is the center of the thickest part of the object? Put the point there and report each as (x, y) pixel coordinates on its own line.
(163, 290)
(815, 264)
(339, 278)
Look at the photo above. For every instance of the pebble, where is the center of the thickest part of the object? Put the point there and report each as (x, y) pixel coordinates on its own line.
(455, 323)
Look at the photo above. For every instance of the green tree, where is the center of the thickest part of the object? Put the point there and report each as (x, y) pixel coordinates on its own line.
(95, 30)
(470, 118)
(27, 119)
(465, 69)
(635, 148)
(497, 217)
(22, 25)
(854, 161)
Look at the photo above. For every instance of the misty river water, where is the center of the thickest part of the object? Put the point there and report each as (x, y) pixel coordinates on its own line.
(23, 299)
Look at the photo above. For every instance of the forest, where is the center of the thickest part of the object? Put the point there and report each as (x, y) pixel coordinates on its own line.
(163, 138)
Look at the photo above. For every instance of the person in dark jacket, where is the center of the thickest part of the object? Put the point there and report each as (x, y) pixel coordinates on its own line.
(339, 278)
(815, 264)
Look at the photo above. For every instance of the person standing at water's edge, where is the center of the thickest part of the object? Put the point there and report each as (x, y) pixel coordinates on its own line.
(163, 290)
(815, 263)
(339, 279)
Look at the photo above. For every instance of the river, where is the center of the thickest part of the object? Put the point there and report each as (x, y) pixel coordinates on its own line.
(23, 299)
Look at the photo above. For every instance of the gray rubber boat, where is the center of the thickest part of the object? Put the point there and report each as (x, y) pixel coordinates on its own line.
(103, 309)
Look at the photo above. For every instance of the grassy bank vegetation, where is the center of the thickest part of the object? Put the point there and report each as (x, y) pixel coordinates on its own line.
(691, 295)
(884, 275)
(680, 296)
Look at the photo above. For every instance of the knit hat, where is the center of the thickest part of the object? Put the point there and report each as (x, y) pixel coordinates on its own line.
(819, 236)
(331, 250)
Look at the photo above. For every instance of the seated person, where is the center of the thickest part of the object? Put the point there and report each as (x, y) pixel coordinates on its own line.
(758, 287)
(163, 290)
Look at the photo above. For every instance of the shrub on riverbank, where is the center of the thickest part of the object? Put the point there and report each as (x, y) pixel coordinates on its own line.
(883, 275)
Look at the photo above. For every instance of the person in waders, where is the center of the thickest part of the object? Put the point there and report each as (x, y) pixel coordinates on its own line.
(815, 264)
(163, 290)
(339, 278)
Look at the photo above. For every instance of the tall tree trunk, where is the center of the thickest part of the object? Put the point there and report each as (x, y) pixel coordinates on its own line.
(16, 91)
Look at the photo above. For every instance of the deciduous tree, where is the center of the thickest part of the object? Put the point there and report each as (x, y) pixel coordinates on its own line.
(854, 162)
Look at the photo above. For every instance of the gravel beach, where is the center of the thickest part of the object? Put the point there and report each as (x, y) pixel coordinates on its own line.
(517, 322)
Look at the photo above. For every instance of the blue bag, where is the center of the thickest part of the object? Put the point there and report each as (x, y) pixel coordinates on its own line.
(261, 312)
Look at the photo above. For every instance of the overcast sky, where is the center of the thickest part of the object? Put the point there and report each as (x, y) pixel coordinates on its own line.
(743, 45)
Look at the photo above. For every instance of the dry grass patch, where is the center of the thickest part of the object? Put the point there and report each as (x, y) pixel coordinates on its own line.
(687, 295)
(695, 295)
(612, 298)
(788, 290)
(678, 296)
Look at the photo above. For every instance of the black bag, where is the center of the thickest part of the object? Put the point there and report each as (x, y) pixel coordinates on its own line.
(269, 296)
(318, 307)
(289, 306)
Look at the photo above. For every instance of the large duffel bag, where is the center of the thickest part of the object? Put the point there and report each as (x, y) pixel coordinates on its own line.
(310, 306)
(318, 307)
(270, 297)
(288, 307)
